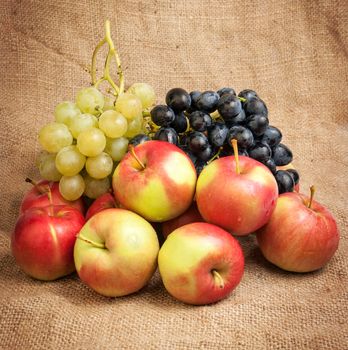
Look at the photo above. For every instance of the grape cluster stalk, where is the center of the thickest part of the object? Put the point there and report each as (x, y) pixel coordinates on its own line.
(90, 135)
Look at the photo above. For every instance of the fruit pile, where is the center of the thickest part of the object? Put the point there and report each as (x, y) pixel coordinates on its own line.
(199, 171)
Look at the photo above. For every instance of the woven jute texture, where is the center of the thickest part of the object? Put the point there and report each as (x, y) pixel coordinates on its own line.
(294, 53)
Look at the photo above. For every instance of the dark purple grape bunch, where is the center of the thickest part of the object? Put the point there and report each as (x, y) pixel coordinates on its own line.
(203, 124)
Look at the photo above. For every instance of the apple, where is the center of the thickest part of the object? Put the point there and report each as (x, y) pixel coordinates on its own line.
(43, 241)
(156, 179)
(116, 252)
(105, 201)
(200, 263)
(301, 235)
(37, 196)
(190, 215)
(237, 193)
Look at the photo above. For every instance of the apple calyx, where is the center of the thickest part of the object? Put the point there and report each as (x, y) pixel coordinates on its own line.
(132, 152)
(94, 244)
(236, 156)
(218, 279)
(312, 189)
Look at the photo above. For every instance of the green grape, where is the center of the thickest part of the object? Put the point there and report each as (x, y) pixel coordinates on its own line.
(47, 167)
(69, 161)
(65, 112)
(129, 106)
(109, 103)
(100, 166)
(95, 188)
(116, 148)
(145, 92)
(54, 136)
(71, 187)
(81, 123)
(135, 127)
(113, 123)
(90, 100)
(91, 142)
(40, 157)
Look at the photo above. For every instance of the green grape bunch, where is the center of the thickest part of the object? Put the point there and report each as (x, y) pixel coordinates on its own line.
(89, 136)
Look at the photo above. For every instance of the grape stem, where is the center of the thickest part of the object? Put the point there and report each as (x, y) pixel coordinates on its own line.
(215, 115)
(146, 113)
(188, 127)
(94, 61)
(312, 189)
(236, 156)
(112, 53)
(216, 155)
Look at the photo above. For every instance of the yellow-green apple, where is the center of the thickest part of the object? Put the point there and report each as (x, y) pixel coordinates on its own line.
(190, 215)
(301, 235)
(43, 240)
(200, 263)
(37, 196)
(116, 252)
(236, 193)
(156, 179)
(105, 201)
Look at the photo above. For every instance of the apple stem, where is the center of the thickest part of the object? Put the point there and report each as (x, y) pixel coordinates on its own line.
(42, 189)
(94, 244)
(236, 155)
(49, 195)
(131, 149)
(218, 278)
(312, 189)
(34, 183)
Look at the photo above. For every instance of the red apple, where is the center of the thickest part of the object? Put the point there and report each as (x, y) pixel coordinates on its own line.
(238, 194)
(38, 196)
(156, 180)
(105, 201)
(200, 263)
(43, 240)
(116, 252)
(189, 216)
(301, 235)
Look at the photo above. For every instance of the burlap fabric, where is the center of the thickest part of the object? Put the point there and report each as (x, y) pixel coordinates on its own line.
(294, 53)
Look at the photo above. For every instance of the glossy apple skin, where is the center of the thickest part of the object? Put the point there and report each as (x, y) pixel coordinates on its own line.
(188, 257)
(189, 216)
(105, 201)
(161, 191)
(240, 203)
(129, 258)
(43, 241)
(37, 197)
(298, 238)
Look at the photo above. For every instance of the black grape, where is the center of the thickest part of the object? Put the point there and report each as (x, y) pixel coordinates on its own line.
(178, 99)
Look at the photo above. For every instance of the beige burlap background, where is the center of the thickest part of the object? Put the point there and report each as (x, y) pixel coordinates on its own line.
(294, 53)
